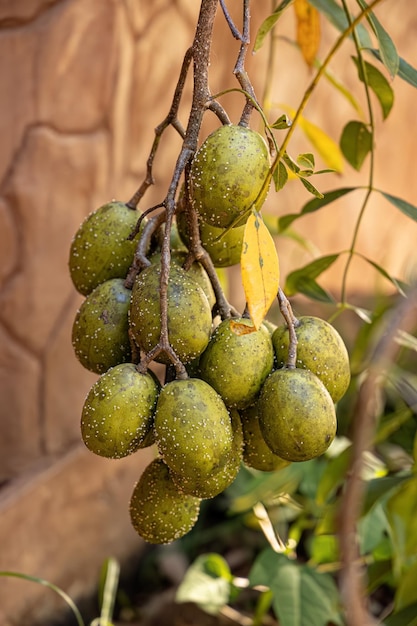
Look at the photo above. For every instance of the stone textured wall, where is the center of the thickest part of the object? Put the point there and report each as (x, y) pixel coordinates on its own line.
(83, 83)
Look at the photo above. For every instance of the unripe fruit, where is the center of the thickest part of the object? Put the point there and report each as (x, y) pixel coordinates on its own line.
(228, 175)
(236, 365)
(100, 331)
(224, 246)
(117, 415)
(193, 429)
(216, 482)
(296, 414)
(189, 313)
(320, 349)
(256, 453)
(101, 249)
(158, 511)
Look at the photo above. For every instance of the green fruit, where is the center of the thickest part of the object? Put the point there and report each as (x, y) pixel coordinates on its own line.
(296, 415)
(228, 174)
(196, 272)
(158, 511)
(189, 313)
(193, 429)
(224, 246)
(235, 364)
(216, 482)
(320, 349)
(100, 333)
(117, 416)
(256, 453)
(101, 249)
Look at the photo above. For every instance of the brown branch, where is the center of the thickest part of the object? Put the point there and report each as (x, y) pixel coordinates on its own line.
(292, 323)
(364, 421)
(240, 71)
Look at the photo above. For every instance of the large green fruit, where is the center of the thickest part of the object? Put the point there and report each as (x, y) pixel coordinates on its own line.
(236, 364)
(189, 313)
(296, 414)
(158, 511)
(224, 246)
(193, 429)
(101, 249)
(256, 453)
(117, 415)
(100, 333)
(320, 349)
(211, 485)
(228, 174)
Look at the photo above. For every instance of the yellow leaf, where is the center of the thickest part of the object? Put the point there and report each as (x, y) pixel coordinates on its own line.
(308, 30)
(260, 268)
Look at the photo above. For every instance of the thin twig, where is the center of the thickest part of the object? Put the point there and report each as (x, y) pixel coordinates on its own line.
(292, 323)
(235, 31)
(240, 71)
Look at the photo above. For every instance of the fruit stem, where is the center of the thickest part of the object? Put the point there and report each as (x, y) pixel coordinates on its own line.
(292, 323)
(240, 71)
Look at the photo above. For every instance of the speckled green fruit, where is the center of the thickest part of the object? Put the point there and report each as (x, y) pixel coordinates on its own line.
(193, 429)
(320, 349)
(256, 453)
(158, 511)
(216, 482)
(117, 415)
(224, 246)
(236, 365)
(189, 313)
(296, 415)
(228, 173)
(101, 249)
(100, 331)
(196, 272)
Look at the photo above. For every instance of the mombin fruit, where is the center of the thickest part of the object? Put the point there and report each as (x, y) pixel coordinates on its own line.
(101, 248)
(228, 175)
(320, 349)
(100, 333)
(296, 414)
(189, 313)
(159, 512)
(237, 360)
(117, 416)
(193, 430)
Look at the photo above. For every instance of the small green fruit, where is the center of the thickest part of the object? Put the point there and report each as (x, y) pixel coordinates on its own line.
(100, 331)
(236, 364)
(193, 429)
(158, 511)
(320, 349)
(101, 249)
(296, 415)
(117, 415)
(228, 175)
(189, 313)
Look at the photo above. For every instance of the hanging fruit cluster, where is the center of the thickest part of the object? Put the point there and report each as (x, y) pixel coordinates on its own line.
(236, 388)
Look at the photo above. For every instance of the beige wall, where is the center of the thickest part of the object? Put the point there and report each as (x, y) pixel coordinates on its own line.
(83, 84)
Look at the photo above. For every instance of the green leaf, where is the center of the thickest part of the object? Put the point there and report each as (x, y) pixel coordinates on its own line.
(387, 48)
(336, 16)
(324, 549)
(268, 24)
(207, 583)
(313, 205)
(282, 123)
(311, 188)
(401, 510)
(372, 528)
(407, 589)
(397, 283)
(378, 488)
(302, 596)
(405, 617)
(379, 85)
(356, 143)
(306, 160)
(405, 71)
(333, 476)
(109, 581)
(302, 280)
(405, 207)
(280, 176)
